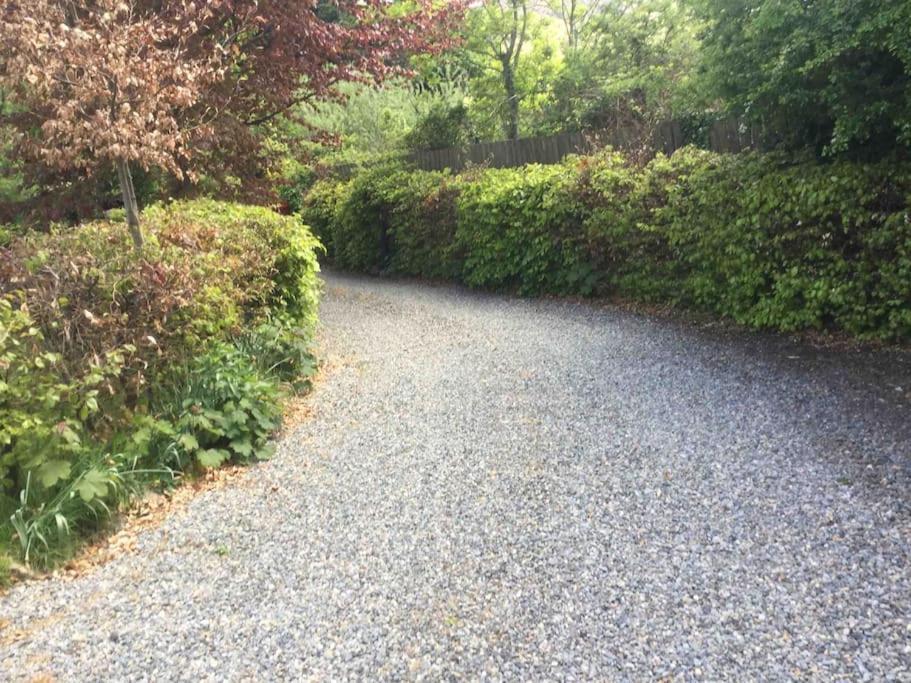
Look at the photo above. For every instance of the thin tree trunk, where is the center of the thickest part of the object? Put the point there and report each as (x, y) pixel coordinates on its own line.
(512, 102)
(129, 202)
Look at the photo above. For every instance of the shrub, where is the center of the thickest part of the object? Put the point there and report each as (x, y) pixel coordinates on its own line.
(320, 208)
(445, 125)
(298, 184)
(629, 250)
(423, 223)
(768, 240)
(117, 369)
(774, 243)
(519, 229)
(280, 349)
(262, 261)
(224, 408)
(361, 236)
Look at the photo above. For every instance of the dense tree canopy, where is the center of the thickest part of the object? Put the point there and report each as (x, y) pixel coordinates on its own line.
(835, 74)
(634, 65)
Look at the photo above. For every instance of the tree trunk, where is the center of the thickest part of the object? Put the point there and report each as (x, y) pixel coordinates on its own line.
(125, 179)
(512, 102)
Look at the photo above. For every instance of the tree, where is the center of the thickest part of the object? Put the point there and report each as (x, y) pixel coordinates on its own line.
(105, 82)
(636, 67)
(576, 17)
(445, 125)
(372, 120)
(834, 74)
(163, 83)
(497, 31)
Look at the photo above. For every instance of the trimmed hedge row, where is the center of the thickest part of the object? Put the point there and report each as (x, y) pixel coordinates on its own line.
(767, 240)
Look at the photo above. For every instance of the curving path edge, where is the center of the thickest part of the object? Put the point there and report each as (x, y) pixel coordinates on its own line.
(503, 489)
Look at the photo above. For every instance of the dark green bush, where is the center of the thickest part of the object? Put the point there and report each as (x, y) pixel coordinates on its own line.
(118, 369)
(320, 208)
(388, 219)
(772, 243)
(629, 250)
(443, 126)
(223, 408)
(768, 240)
(297, 185)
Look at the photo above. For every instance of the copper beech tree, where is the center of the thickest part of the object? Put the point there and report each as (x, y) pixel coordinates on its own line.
(98, 84)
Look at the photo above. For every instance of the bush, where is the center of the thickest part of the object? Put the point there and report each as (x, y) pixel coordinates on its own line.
(773, 243)
(423, 224)
(224, 408)
(767, 240)
(297, 184)
(117, 370)
(445, 125)
(320, 208)
(388, 219)
(361, 234)
(519, 229)
(625, 205)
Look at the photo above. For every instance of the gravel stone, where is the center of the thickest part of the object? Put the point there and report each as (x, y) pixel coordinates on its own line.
(502, 489)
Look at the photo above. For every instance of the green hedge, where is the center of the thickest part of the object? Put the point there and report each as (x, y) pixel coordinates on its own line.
(118, 371)
(767, 240)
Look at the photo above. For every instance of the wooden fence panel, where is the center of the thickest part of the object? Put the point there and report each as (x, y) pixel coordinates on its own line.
(727, 135)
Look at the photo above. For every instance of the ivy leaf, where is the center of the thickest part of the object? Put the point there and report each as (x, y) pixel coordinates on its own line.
(53, 471)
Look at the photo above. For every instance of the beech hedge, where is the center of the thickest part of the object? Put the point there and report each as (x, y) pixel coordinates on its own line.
(768, 240)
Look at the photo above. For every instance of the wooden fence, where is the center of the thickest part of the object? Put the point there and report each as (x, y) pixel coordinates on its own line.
(728, 135)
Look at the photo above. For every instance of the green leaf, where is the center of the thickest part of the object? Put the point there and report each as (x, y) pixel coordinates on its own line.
(93, 484)
(212, 457)
(53, 471)
(188, 442)
(265, 452)
(242, 447)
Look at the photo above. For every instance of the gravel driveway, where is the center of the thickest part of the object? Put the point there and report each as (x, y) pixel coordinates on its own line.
(511, 489)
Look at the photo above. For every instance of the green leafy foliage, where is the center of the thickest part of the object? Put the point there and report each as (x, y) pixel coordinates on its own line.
(118, 370)
(768, 240)
(628, 66)
(518, 230)
(375, 119)
(389, 219)
(320, 207)
(47, 521)
(280, 348)
(46, 412)
(832, 74)
(227, 408)
(773, 243)
(445, 125)
(361, 234)
(423, 224)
